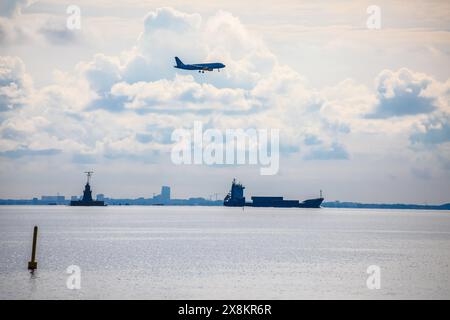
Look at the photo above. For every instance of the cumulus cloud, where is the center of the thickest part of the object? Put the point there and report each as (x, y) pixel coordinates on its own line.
(254, 91)
(15, 83)
(102, 72)
(432, 131)
(11, 32)
(170, 19)
(11, 8)
(254, 85)
(11, 28)
(182, 94)
(125, 106)
(403, 93)
(18, 28)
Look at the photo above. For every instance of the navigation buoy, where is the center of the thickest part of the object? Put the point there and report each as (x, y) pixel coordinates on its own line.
(32, 265)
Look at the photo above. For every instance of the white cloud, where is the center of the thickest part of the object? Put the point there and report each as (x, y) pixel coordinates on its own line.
(21, 29)
(255, 89)
(15, 83)
(403, 93)
(11, 8)
(432, 131)
(182, 94)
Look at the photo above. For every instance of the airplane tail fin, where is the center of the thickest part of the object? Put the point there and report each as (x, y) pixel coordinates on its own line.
(179, 62)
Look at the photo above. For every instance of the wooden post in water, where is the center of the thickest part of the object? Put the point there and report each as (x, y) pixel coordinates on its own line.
(32, 265)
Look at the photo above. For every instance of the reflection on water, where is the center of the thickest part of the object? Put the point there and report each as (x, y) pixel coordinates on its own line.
(224, 253)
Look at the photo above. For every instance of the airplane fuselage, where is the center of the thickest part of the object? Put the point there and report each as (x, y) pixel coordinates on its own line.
(201, 67)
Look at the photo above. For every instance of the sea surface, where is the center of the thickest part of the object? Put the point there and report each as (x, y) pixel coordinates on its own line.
(167, 252)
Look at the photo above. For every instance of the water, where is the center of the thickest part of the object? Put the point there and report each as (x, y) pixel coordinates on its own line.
(224, 253)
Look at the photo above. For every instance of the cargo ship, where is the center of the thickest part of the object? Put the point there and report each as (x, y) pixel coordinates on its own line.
(236, 198)
(86, 200)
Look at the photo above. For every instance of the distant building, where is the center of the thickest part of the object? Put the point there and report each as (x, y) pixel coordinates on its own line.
(53, 199)
(165, 193)
(74, 198)
(164, 197)
(100, 197)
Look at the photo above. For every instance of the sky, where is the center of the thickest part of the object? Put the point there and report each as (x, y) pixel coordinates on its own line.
(363, 114)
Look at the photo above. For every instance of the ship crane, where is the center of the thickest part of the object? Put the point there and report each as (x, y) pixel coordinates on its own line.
(89, 174)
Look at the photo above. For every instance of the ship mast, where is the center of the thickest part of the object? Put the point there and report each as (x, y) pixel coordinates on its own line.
(89, 174)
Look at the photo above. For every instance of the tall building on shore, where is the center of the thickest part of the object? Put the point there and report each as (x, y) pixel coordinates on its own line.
(165, 193)
(164, 197)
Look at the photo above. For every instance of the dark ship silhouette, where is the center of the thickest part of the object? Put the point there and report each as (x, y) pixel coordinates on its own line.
(87, 200)
(235, 198)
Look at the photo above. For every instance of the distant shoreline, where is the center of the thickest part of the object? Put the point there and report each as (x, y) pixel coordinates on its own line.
(357, 205)
(218, 203)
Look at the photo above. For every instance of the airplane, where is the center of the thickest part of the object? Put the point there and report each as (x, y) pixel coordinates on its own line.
(201, 67)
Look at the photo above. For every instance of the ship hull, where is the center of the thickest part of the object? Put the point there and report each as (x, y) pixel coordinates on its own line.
(310, 203)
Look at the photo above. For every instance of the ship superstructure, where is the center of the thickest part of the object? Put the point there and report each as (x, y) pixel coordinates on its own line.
(235, 198)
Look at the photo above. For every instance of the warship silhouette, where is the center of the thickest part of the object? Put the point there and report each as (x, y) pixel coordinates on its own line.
(87, 200)
(235, 198)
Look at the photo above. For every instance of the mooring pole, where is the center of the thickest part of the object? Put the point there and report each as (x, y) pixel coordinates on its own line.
(32, 265)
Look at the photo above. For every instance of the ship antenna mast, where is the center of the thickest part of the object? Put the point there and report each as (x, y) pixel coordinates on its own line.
(89, 174)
